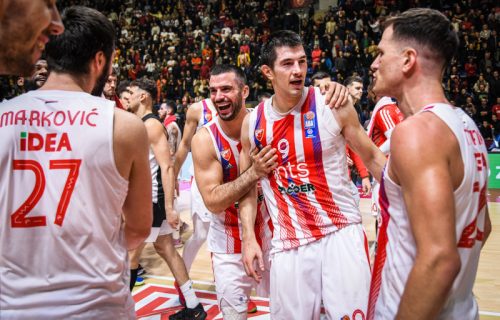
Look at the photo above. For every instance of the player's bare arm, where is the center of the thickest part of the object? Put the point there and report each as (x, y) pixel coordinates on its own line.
(251, 251)
(357, 139)
(192, 116)
(159, 144)
(173, 134)
(216, 194)
(428, 184)
(336, 94)
(130, 148)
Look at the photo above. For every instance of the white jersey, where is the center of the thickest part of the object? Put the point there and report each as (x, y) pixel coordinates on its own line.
(308, 195)
(225, 234)
(62, 247)
(396, 244)
(208, 113)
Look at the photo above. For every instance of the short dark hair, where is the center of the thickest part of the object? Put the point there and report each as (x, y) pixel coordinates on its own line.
(226, 68)
(427, 27)
(320, 75)
(87, 31)
(147, 85)
(171, 105)
(122, 87)
(351, 79)
(282, 38)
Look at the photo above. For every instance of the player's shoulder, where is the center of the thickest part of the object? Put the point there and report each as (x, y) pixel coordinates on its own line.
(194, 111)
(202, 142)
(421, 134)
(127, 122)
(153, 123)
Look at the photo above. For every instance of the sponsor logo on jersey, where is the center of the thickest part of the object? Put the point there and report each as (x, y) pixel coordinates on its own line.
(294, 171)
(310, 125)
(50, 142)
(294, 189)
(226, 154)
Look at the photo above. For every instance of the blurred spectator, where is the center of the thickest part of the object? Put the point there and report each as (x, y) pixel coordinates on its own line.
(177, 42)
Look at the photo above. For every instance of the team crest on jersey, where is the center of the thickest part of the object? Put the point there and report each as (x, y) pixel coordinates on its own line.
(226, 154)
(208, 117)
(259, 133)
(310, 125)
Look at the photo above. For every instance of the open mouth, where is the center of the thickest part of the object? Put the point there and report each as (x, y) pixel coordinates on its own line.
(296, 83)
(224, 107)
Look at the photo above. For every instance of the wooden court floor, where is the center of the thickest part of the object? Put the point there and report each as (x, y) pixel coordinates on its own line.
(486, 289)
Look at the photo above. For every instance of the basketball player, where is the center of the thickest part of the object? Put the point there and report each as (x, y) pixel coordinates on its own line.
(165, 218)
(167, 115)
(216, 156)
(198, 114)
(123, 94)
(355, 86)
(385, 116)
(25, 29)
(75, 189)
(433, 189)
(109, 91)
(319, 246)
(39, 76)
(166, 112)
(352, 158)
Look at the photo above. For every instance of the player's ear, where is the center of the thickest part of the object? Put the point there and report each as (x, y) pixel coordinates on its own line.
(245, 92)
(410, 58)
(267, 71)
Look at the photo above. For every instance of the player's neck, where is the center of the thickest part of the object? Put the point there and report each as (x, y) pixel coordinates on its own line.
(67, 82)
(143, 110)
(284, 102)
(416, 97)
(232, 128)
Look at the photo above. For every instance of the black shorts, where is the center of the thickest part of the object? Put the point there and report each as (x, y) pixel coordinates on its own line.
(159, 213)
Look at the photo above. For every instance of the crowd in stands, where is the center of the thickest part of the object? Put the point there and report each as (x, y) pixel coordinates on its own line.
(177, 42)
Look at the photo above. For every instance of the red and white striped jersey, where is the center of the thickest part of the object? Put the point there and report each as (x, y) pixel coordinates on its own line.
(224, 235)
(386, 115)
(396, 245)
(309, 194)
(208, 112)
(61, 198)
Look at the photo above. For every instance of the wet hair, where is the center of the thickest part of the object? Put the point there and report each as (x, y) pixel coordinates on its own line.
(427, 27)
(147, 85)
(226, 68)
(282, 38)
(86, 32)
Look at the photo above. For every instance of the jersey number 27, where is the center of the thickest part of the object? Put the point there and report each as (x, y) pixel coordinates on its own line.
(19, 218)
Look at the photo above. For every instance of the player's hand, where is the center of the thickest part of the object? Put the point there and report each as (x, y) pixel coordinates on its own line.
(264, 161)
(366, 185)
(252, 259)
(173, 218)
(336, 95)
